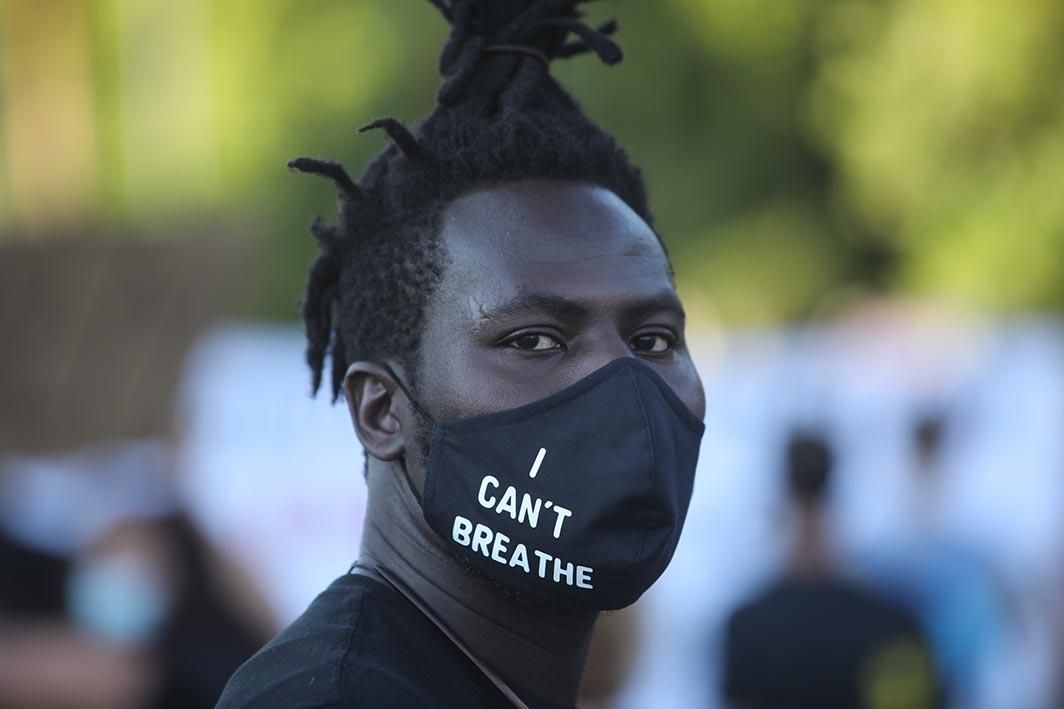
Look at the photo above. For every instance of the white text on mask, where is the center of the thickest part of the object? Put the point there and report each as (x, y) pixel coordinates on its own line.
(527, 512)
(495, 545)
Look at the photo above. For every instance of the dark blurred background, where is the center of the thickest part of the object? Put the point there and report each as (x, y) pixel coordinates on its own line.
(863, 202)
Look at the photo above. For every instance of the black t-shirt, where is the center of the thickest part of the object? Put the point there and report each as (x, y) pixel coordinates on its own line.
(33, 583)
(825, 643)
(362, 644)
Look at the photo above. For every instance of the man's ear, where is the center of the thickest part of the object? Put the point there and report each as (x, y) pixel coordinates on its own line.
(370, 393)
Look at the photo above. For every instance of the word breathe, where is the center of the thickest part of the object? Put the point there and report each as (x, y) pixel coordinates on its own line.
(481, 538)
(524, 509)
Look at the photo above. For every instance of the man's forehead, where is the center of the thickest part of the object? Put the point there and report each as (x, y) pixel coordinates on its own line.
(518, 229)
(564, 240)
(547, 220)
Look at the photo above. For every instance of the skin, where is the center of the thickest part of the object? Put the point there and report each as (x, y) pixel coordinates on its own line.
(546, 282)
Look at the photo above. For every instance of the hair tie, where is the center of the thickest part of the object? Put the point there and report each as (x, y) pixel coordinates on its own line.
(520, 49)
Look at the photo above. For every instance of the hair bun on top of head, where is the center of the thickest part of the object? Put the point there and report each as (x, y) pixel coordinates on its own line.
(507, 30)
(536, 29)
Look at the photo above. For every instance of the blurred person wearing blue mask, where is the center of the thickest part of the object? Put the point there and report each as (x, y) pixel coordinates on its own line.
(143, 617)
(502, 321)
(122, 594)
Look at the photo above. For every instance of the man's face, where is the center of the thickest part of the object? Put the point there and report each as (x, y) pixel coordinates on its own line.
(546, 282)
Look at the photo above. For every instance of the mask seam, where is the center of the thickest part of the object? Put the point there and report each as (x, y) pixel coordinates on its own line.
(650, 473)
(674, 401)
(429, 487)
(521, 413)
(526, 411)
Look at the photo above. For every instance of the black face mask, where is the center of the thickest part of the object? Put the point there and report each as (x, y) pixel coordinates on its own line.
(578, 498)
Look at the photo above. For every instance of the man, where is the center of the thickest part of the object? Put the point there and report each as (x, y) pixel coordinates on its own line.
(503, 325)
(814, 639)
(948, 584)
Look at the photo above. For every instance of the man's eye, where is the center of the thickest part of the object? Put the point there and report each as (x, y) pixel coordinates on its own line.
(651, 343)
(535, 342)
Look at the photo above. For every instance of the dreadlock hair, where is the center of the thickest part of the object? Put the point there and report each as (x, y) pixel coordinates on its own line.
(499, 117)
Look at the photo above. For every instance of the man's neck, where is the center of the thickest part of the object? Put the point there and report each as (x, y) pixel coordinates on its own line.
(539, 649)
(811, 558)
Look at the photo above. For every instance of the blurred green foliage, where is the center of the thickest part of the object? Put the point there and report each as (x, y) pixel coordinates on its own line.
(793, 149)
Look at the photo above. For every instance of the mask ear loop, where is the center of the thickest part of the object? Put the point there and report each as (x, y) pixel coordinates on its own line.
(421, 410)
(413, 402)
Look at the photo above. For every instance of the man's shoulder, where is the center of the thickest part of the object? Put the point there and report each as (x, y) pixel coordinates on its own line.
(349, 648)
(820, 608)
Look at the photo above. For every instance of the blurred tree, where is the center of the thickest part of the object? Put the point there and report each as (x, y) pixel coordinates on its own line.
(792, 149)
(299, 80)
(49, 155)
(944, 120)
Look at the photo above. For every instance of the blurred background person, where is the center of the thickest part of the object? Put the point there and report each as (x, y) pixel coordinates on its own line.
(110, 596)
(142, 614)
(814, 638)
(947, 583)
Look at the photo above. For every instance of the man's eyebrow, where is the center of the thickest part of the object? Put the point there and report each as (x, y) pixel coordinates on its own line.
(662, 302)
(576, 311)
(531, 303)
